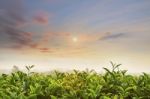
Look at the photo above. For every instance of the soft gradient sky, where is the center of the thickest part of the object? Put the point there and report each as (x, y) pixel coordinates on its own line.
(75, 34)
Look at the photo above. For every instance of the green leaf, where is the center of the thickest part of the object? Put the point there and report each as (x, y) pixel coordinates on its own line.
(53, 97)
(27, 68)
(130, 88)
(32, 89)
(21, 96)
(115, 97)
(33, 96)
(104, 97)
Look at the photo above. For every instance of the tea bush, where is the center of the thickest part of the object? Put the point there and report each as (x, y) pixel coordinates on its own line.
(113, 84)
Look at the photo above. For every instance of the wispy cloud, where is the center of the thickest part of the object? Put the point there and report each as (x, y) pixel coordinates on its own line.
(12, 14)
(44, 50)
(111, 36)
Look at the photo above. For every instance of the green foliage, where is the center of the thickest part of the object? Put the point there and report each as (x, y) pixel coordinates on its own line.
(113, 84)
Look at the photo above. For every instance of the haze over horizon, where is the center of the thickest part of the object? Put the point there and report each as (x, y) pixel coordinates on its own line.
(75, 34)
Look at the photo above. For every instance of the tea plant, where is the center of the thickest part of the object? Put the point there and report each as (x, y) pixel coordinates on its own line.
(113, 84)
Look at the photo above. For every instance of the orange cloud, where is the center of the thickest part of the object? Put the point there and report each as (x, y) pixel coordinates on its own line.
(44, 49)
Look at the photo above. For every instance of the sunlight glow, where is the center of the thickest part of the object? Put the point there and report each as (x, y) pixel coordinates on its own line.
(74, 39)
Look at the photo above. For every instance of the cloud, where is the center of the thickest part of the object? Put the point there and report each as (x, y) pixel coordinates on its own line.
(34, 45)
(109, 36)
(41, 17)
(12, 15)
(21, 38)
(13, 11)
(44, 49)
(55, 38)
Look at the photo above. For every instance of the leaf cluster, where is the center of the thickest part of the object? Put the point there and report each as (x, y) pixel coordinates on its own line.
(113, 84)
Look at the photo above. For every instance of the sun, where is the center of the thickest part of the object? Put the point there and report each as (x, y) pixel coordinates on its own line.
(74, 39)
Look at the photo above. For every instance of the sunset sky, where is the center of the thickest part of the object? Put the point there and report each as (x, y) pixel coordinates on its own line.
(75, 34)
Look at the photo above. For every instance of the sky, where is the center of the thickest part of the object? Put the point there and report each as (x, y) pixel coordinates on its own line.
(75, 34)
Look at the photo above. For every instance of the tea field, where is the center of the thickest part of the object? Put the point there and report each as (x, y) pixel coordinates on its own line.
(113, 84)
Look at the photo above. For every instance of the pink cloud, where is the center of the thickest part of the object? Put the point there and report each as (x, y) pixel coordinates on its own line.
(41, 17)
(44, 50)
(34, 46)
